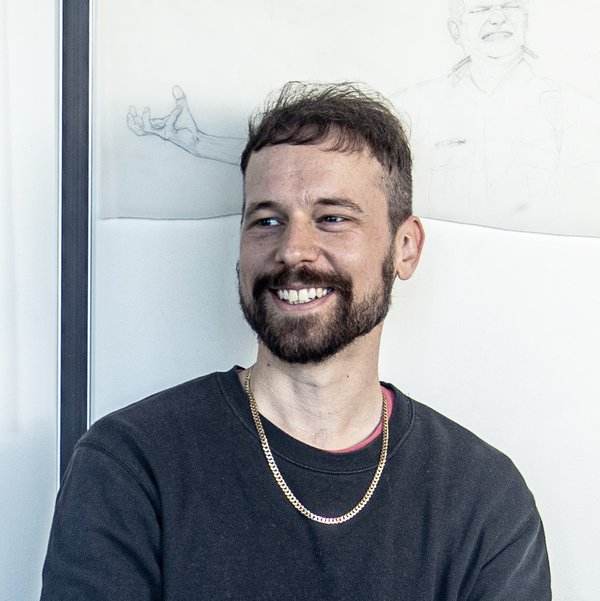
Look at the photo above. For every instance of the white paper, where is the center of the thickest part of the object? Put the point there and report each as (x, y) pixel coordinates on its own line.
(521, 155)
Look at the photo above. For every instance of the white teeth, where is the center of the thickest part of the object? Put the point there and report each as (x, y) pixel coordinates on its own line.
(304, 295)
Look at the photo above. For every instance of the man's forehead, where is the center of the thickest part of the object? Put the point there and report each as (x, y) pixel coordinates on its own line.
(307, 158)
(310, 173)
(459, 7)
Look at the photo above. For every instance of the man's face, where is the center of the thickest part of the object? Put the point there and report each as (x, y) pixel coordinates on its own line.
(316, 255)
(490, 29)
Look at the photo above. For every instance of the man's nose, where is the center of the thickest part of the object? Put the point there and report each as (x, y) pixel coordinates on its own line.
(497, 15)
(298, 244)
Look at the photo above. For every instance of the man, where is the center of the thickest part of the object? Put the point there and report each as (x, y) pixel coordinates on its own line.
(494, 143)
(301, 477)
(487, 137)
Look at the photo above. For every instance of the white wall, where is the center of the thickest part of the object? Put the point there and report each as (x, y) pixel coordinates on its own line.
(498, 330)
(164, 306)
(29, 301)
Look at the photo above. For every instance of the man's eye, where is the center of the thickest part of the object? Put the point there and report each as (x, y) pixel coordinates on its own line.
(332, 219)
(267, 222)
(487, 9)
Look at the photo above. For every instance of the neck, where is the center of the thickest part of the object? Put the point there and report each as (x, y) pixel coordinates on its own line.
(488, 73)
(330, 405)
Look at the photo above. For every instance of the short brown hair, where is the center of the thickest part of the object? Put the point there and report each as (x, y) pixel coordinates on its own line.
(353, 117)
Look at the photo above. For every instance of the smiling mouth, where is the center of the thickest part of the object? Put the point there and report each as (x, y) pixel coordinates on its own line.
(303, 295)
(494, 36)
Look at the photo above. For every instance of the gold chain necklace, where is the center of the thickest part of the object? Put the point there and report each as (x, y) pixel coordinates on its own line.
(282, 483)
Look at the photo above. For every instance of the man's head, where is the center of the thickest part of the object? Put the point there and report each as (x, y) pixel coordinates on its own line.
(489, 29)
(321, 241)
(351, 119)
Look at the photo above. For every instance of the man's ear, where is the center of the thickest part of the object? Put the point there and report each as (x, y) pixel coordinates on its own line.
(408, 243)
(454, 31)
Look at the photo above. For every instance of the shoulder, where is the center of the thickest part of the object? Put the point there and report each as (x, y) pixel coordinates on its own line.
(474, 486)
(486, 508)
(452, 437)
(417, 103)
(462, 448)
(162, 423)
(459, 463)
(425, 88)
(411, 98)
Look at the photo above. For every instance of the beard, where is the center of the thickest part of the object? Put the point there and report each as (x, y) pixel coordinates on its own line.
(311, 338)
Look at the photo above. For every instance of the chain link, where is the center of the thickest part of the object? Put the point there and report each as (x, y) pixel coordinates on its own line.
(283, 484)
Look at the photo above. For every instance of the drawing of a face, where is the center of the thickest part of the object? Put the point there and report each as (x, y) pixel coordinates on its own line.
(487, 29)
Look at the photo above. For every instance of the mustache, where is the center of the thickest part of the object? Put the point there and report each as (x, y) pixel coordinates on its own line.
(307, 276)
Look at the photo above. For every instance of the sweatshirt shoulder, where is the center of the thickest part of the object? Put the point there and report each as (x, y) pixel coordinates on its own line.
(458, 451)
(166, 415)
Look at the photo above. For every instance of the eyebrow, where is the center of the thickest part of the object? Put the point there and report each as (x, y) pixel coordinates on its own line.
(335, 201)
(340, 201)
(261, 206)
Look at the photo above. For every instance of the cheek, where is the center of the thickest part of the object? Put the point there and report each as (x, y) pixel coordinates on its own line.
(520, 26)
(250, 252)
(473, 32)
(245, 287)
(245, 270)
(365, 265)
(256, 248)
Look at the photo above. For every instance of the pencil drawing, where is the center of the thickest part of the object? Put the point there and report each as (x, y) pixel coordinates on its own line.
(179, 127)
(493, 142)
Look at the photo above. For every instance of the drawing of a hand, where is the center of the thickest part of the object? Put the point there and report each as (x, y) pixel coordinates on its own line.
(177, 127)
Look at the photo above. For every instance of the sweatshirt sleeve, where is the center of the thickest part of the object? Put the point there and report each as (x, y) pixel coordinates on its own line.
(105, 537)
(519, 570)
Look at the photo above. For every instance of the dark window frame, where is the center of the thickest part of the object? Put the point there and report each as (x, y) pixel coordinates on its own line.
(75, 203)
